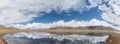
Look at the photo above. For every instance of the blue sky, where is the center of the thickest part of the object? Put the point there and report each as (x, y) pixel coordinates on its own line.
(49, 13)
(53, 16)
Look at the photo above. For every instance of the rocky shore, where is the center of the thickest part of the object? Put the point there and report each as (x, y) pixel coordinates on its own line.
(113, 38)
(2, 41)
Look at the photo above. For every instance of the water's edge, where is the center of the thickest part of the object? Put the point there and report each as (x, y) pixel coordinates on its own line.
(46, 38)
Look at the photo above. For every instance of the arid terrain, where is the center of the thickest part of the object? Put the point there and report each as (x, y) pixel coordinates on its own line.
(94, 30)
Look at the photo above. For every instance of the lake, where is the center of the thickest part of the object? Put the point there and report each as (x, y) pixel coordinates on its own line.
(46, 38)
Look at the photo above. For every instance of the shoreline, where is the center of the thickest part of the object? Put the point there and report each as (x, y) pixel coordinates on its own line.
(79, 31)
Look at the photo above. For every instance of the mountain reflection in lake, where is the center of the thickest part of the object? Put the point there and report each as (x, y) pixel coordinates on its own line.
(46, 38)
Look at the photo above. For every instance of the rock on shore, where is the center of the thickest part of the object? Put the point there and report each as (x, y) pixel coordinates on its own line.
(2, 41)
(113, 38)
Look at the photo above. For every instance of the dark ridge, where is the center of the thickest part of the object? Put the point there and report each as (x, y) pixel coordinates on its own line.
(87, 27)
(100, 27)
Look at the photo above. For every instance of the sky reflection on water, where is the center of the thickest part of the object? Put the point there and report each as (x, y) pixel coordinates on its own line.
(46, 38)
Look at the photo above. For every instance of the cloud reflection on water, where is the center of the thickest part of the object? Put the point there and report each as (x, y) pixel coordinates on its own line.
(46, 38)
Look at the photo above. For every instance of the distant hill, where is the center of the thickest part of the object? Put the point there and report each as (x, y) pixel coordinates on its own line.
(87, 27)
(100, 27)
(89, 30)
(7, 28)
(2, 27)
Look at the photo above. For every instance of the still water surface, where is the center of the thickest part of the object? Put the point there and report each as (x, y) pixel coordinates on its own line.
(46, 38)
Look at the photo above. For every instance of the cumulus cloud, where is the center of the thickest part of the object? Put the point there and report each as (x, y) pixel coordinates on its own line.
(111, 13)
(18, 11)
(73, 23)
(110, 10)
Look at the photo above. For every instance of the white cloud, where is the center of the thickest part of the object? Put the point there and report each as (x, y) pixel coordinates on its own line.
(13, 16)
(39, 35)
(116, 27)
(73, 23)
(18, 11)
(112, 13)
